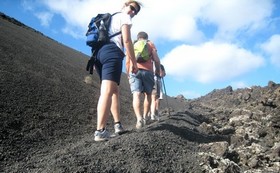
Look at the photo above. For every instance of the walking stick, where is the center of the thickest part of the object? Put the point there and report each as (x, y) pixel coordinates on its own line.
(165, 96)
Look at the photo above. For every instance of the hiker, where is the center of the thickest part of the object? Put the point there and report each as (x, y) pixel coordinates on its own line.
(109, 67)
(143, 80)
(157, 94)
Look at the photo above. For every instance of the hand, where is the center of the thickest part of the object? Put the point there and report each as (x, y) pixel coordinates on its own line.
(134, 69)
(157, 74)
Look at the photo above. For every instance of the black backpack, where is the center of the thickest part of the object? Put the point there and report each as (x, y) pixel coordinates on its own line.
(97, 35)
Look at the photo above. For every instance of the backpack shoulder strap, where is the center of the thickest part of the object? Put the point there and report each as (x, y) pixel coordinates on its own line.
(150, 46)
(117, 33)
(115, 13)
(111, 36)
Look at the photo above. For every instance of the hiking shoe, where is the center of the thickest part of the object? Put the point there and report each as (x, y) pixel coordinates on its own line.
(118, 128)
(154, 117)
(146, 120)
(139, 124)
(157, 117)
(101, 135)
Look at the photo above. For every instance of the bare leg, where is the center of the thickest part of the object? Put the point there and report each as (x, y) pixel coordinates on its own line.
(104, 102)
(136, 105)
(115, 106)
(147, 104)
(153, 104)
(157, 107)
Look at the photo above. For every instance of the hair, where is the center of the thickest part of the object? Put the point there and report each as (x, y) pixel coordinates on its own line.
(143, 35)
(133, 1)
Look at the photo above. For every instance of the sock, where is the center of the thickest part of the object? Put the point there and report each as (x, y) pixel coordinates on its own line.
(101, 130)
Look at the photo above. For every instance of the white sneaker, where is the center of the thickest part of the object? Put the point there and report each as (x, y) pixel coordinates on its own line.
(118, 128)
(139, 124)
(157, 117)
(101, 135)
(154, 117)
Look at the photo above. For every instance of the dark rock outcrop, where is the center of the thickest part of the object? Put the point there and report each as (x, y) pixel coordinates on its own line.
(250, 116)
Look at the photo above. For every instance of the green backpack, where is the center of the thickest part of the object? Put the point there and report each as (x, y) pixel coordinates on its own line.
(141, 51)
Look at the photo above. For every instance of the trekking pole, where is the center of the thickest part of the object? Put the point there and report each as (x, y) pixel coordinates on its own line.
(165, 96)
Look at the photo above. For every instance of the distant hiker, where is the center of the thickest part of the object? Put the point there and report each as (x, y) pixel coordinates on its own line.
(143, 80)
(109, 67)
(157, 94)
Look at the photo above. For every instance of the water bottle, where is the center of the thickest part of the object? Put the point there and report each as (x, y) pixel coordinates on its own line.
(102, 26)
(102, 32)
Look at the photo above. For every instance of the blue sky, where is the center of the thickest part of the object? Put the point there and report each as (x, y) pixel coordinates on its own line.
(203, 44)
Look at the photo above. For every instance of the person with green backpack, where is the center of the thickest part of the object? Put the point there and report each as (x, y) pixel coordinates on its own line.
(142, 81)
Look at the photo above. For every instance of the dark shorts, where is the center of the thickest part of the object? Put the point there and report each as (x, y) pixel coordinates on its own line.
(158, 88)
(109, 63)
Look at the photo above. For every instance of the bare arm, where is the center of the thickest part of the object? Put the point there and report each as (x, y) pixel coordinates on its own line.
(131, 64)
(127, 66)
(157, 62)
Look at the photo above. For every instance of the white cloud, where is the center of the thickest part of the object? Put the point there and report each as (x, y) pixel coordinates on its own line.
(69, 30)
(175, 21)
(45, 18)
(235, 16)
(77, 14)
(184, 28)
(171, 21)
(239, 84)
(27, 5)
(178, 20)
(272, 47)
(205, 60)
(191, 94)
(210, 62)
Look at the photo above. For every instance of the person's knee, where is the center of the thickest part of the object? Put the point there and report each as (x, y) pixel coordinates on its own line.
(109, 87)
(136, 94)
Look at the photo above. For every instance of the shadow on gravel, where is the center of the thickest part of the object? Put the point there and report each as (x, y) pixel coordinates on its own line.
(189, 134)
(184, 119)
